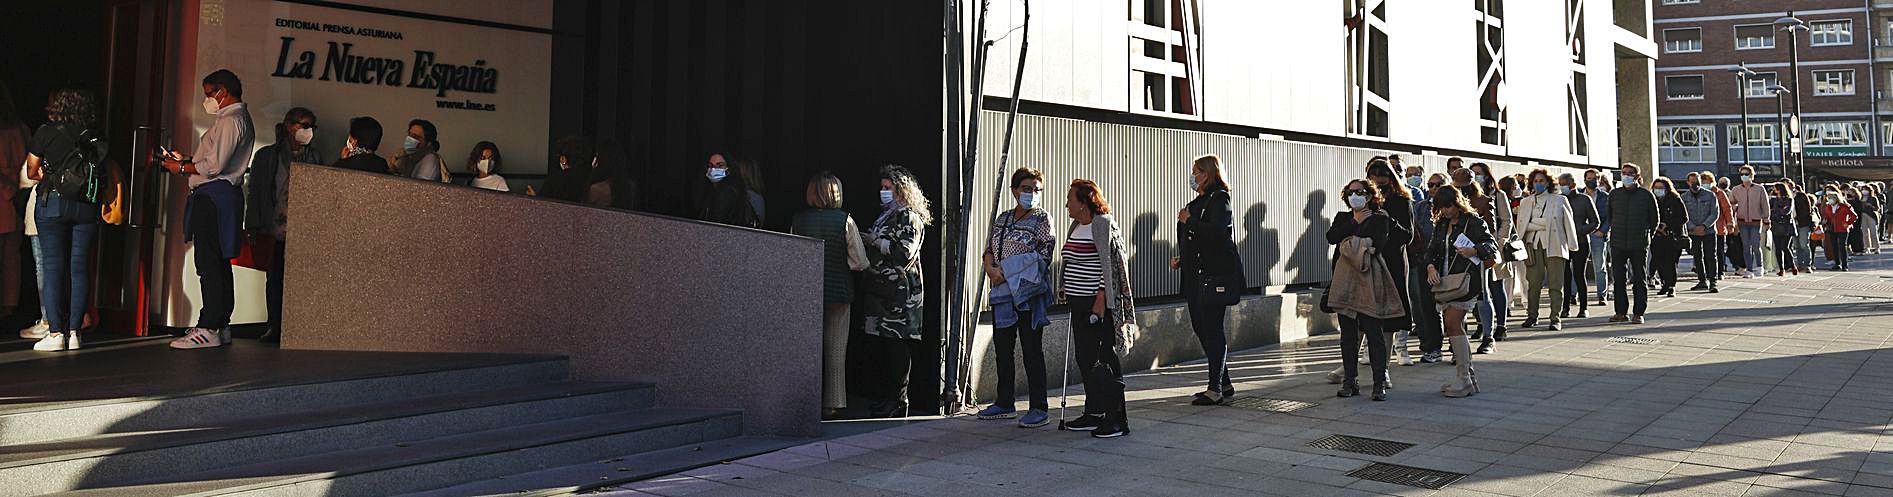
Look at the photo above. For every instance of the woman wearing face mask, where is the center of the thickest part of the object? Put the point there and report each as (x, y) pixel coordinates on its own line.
(1447, 256)
(844, 256)
(420, 157)
(1495, 206)
(1397, 201)
(1670, 238)
(1781, 217)
(726, 200)
(1017, 261)
(1212, 271)
(1094, 276)
(485, 164)
(1840, 219)
(1362, 291)
(267, 200)
(1550, 236)
(893, 286)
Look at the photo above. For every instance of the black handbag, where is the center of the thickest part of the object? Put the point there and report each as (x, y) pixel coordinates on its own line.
(1512, 251)
(1216, 289)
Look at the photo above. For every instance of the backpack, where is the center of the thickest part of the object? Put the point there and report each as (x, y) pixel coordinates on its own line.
(76, 175)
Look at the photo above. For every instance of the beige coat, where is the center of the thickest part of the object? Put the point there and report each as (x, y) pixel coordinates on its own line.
(1545, 221)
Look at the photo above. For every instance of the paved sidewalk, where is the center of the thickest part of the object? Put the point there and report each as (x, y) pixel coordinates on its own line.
(1775, 386)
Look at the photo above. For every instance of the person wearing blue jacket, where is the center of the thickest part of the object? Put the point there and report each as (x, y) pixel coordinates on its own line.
(1704, 212)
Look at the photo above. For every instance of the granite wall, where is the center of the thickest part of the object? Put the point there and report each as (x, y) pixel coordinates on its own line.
(714, 316)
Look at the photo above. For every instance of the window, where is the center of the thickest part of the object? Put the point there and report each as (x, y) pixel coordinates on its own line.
(1755, 37)
(1834, 82)
(1683, 87)
(1577, 99)
(1825, 33)
(1162, 44)
(1369, 69)
(1758, 85)
(1761, 143)
(1490, 26)
(1683, 40)
(1691, 143)
(1842, 133)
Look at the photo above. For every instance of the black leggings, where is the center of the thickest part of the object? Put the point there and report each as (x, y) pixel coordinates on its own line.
(1206, 318)
(886, 362)
(1095, 344)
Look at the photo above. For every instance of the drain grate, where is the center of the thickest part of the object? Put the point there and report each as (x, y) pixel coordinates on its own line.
(1406, 475)
(1270, 405)
(1632, 340)
(1359, 445)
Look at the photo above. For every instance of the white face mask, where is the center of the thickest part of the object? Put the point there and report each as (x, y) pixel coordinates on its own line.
(1029, 200)
(484, 166)
(1662, 191)
(1192, 182)
(716, 174)
(211, 106)
(1357, 202)
(304, 136)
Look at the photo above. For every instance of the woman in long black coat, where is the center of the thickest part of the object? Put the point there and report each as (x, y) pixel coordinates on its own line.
(1212, 270)
(1669, 240)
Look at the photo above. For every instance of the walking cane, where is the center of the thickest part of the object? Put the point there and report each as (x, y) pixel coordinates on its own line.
(1064, 385)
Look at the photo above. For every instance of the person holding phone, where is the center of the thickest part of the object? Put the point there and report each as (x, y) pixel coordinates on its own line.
(215, 206)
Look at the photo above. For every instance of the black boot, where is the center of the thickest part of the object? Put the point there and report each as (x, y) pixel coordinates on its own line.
(1380, 392)
(1485, 347)
(1348, 389)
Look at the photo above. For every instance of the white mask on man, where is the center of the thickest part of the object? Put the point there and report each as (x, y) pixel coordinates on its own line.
(304, 136)
(211, 106)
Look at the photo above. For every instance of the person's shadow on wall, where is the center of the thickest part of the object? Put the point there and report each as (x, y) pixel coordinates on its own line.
(1261, 247)
(1146, 245)
(1312, 248)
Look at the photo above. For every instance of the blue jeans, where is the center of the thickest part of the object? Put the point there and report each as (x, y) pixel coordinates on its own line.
(1803, 247)
(1600, 263)
(65, 263)
(39, 273)
(1752, 247)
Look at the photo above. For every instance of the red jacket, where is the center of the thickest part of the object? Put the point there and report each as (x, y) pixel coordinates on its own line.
(1840, 217)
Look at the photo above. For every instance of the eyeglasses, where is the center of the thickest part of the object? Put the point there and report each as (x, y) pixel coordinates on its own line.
(1356, 191)
(307, 126)
(1029, 190)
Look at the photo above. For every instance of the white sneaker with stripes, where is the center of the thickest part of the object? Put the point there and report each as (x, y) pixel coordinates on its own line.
(200, 338)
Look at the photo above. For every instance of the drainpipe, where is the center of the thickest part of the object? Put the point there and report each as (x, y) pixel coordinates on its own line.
(1875, 138)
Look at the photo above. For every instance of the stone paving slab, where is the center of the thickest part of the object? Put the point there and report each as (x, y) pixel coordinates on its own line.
(1777, 386)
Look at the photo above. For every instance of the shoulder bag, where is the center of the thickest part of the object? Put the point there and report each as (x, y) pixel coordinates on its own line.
(1453, 287)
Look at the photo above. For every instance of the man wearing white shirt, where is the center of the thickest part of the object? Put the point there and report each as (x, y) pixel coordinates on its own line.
(1550, 236)
(214, 210)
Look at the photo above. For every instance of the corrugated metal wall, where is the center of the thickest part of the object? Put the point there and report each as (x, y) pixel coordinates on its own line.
(1285, 193)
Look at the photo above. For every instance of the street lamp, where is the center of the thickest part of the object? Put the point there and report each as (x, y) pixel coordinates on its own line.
(1781, 126)
(1794, 26)
(1742, 75)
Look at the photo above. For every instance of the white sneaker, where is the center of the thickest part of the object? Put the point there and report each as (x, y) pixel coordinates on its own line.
(36, 331)
(199, 338)
(72, 340)
(1400, 345)
(53, 342)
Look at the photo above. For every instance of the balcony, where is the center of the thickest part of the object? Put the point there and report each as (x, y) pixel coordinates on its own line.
(1883, 51)
(1883, 105)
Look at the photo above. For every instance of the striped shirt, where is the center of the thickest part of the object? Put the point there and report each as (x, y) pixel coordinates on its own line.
(1084, 272)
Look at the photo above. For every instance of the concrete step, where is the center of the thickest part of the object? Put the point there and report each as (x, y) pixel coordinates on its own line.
(433, 463)
(106, 460)
(29, 423)
(616, 470)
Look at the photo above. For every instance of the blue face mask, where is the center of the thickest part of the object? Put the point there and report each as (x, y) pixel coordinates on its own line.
(1192, 182)
(1662, 191)
(887, 197)
(716, 174)
(410, 144)
(1413, 181)
(1539, 187)
(1029, 200)
(1564, 190)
